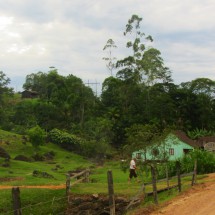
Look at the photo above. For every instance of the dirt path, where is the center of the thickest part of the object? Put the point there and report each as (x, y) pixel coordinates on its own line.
(52, 187)
(199, 200)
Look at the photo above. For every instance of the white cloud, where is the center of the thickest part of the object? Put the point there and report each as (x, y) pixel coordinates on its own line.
(70, 35)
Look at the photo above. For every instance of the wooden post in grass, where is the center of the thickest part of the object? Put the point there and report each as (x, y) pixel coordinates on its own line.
(194, 173)
(68, 184)
(178, 166)
(167, 176)
(87, 173)
(155, 194)
(16, 201)
(111, 192)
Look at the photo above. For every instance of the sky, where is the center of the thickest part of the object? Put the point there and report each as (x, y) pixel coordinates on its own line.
(70, 35)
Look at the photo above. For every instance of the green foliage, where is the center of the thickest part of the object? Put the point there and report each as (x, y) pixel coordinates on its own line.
(140, 136)
(205, 162)
(35, 201)
(197, 133)
(36, 136)
(145, 63)
(89, 148)
(70, 141)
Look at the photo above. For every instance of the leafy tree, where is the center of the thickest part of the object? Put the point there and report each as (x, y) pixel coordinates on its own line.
(127, 96)
(4, 89)
(67, 101)
(36, 136)
(24, 115)
(6, 95)
(195, 102)
(145, 62)
(140, 136)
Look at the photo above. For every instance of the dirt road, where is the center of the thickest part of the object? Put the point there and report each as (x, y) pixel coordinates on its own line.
(199, 200)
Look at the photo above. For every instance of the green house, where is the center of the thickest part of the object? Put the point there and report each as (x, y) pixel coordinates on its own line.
(175, 146)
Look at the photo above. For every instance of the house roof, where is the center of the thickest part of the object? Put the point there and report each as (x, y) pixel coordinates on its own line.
(183, 137)
(203, 140)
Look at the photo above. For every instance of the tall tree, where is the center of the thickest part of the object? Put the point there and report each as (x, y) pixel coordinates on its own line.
(111, 61)
(145, 63)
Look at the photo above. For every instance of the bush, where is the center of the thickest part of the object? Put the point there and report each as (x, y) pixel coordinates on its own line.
(205, 164)
(36, 136)
(96, 149)
(68, 141)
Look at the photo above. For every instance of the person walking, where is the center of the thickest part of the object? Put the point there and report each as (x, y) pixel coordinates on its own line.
(132, 170)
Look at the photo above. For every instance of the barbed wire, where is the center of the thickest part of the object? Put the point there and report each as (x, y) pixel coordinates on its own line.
(37, 204)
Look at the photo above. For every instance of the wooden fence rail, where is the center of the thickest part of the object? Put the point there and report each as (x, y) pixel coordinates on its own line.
(80, 177)
(179, 183)
(154, 182)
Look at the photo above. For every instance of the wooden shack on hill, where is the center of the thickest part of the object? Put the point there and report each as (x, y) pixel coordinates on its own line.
(29, 94)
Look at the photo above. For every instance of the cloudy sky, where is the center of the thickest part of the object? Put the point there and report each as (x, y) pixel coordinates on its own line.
(70, 35)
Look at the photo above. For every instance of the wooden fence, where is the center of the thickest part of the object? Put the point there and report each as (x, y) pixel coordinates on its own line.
(154, 183)
(78, 177)
(84, 177)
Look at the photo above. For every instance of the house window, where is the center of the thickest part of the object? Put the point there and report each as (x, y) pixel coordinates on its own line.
(171, 151)
(138, 155)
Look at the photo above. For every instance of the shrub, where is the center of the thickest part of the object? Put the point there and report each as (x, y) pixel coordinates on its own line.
(205, 161)
(68, 141)
(36, 136)
(205, 164)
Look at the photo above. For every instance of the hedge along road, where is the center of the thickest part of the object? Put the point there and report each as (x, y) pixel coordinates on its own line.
(199, 200)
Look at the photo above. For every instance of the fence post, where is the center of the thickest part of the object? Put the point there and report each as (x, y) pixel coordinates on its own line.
(194, 173)
(87, 173)
(153, 173)
(16, 201)
(167, 176)
(111, 192)
(178, 166)
(68, 184)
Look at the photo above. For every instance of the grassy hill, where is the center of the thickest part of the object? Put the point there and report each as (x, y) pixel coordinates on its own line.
(62, 162)
(18, 173)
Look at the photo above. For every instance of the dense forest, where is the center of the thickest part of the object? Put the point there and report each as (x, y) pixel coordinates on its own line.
(137, 103)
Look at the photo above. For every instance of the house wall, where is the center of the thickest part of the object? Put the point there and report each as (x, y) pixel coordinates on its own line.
(179, 149)
(172, 143)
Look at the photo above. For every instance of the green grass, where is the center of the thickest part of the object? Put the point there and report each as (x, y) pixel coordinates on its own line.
(45, 201)
(13, 145)
(35, 201)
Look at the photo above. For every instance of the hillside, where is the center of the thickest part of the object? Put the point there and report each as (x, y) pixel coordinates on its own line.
(52, 159)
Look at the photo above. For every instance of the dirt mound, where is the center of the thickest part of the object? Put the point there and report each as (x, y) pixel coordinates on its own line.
(3, 153)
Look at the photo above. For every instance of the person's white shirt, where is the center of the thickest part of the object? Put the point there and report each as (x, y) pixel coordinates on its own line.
(132, 164)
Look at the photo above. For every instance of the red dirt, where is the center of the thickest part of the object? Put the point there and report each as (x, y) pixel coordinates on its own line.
(52, 187)
(199, 200)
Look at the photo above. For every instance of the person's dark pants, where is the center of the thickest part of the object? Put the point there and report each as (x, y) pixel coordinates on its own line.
(132, 173)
